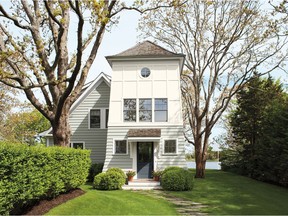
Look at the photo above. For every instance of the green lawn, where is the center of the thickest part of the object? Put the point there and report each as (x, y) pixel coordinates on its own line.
(113, 203)
(227, 193)
(221, 192)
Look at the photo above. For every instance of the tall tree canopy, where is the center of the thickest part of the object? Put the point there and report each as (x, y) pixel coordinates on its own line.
(225, 42)
(47, 48)
(257, 146)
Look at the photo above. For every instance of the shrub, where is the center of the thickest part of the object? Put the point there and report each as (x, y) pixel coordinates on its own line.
(177, 179)
(113, 179)
(31, 173)
(94, 170)
(118, 170)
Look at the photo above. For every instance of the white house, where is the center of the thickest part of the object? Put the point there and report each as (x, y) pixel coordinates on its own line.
(143, 101)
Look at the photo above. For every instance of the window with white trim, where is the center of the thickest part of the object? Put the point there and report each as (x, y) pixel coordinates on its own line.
(120, 147)
(77, 145)
(98, 118)
(145, 110)
(129, 110)
(170, 146)
(161, 110)
(95, 118)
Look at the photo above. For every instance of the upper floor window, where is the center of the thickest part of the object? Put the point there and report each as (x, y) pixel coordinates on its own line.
(145, 72)
(161, 110)
(145, 110)
(95, 118)
(98, 118)
(106, 118)
(170, 147)
(129, 110)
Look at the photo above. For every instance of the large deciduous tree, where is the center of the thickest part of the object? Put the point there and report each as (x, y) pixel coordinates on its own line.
(225, 42)
(42, 45)
(47, 49)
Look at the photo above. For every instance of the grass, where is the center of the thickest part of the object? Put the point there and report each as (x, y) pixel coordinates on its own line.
(227, 193)
(113, 203)
(223, 194)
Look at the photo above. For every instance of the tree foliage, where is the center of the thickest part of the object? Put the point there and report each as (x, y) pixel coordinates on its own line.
(24, 125)
(224, 42)
(47, 48)
(259, 132)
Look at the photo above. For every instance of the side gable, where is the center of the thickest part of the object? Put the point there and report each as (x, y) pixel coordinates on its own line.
(87, 89)
(102, 77)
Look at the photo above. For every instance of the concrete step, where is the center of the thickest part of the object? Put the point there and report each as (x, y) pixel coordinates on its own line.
(142, 184)
(141, 187)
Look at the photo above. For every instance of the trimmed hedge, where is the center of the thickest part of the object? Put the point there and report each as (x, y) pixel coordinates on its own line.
(32, 173)
(113, 179)
(177, 179)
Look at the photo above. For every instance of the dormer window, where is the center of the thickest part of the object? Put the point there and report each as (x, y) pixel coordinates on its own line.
(145, 72)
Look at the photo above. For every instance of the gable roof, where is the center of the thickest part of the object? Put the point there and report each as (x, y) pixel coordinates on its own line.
(146, 49)
(86, 90)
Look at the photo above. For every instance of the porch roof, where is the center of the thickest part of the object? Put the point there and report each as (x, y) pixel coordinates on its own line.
(152, 132)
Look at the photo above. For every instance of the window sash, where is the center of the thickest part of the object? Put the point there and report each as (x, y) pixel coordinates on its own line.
(107, 117)
(129, 110)
(120, 147)
(145, 110)
(161, 110)
(77, 145)
(170, 147)
(95, 118)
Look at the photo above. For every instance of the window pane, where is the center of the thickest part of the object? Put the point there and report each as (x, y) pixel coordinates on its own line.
(170, 146)
(161, 110)
(120, 147)
(107, 115)
(160, 104)
(95, 118)
(129, 110)
(145, 110)
(78, 145)
(160, 116)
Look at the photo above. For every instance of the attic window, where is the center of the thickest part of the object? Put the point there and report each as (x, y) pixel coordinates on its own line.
(145, 72)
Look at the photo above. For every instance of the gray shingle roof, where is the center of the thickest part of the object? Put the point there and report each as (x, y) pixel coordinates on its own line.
(147, 49)
(153, 132)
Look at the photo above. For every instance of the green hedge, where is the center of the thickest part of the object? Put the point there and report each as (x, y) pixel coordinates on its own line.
(94, 170)
(177, 179)
(113, 179)
(31, 173)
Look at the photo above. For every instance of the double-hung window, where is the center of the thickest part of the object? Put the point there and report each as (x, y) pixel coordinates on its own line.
(129, 111)
(145, 110)
(98, 118)
(161, 110)
(95, 118)
(170, 147)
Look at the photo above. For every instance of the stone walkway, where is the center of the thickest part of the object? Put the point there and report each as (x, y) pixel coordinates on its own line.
(183, 206)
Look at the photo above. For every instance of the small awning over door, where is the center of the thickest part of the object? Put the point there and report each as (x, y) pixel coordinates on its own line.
(152, 134)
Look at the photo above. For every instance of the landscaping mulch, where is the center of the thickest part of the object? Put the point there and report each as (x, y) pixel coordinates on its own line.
(45, 205)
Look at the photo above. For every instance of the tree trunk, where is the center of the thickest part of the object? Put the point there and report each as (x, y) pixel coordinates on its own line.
(61, 130)
(200, 161)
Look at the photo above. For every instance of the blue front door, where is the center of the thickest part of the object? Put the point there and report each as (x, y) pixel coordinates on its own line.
(144, 159)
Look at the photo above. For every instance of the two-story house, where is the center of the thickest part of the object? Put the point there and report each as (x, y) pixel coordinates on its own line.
(145, 127)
